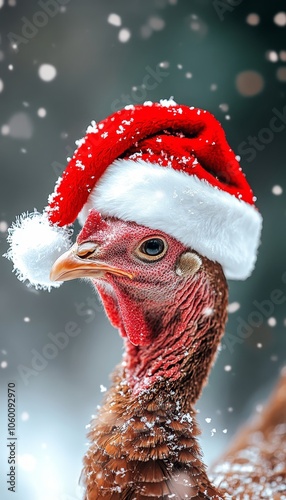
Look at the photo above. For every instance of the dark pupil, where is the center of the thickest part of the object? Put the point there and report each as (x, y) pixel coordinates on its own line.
(153, 247)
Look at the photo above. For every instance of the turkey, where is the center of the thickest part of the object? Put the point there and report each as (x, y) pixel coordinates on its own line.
(167, 217)
(170, 307)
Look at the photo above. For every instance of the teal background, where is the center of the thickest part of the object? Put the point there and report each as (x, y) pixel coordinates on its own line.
(96, 74)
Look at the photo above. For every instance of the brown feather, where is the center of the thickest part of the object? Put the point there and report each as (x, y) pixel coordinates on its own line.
(255, 464)
(145, 446)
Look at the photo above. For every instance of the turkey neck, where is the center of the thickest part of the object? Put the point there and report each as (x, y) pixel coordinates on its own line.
(187, 330)
(145, 435)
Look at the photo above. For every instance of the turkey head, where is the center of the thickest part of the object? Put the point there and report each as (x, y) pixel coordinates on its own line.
(168, 302)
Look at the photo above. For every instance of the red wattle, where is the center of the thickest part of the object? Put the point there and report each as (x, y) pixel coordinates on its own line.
(126, 315)
(133, 320)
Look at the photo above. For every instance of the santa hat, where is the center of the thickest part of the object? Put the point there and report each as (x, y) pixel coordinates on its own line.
(161, 165)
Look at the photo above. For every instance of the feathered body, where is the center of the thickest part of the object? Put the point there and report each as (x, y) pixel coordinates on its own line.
(169, 304)
(254, 467)
(167, 213)
(171, 314)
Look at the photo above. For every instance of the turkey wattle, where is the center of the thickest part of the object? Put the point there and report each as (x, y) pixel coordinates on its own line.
(169, 304)
(167, 216)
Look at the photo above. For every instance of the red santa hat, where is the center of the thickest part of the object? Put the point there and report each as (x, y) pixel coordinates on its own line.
(162, 165)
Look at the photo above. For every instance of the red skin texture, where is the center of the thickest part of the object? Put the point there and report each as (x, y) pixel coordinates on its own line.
(124, 310)
(171, 323)
(140, 310)
(144, 438)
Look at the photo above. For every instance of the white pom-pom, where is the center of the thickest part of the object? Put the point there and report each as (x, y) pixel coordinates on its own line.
(35, 244)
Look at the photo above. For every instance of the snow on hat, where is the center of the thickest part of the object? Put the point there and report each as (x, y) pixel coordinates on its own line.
(161, 165)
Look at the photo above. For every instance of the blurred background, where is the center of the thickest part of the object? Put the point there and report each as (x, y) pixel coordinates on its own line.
(64, 63)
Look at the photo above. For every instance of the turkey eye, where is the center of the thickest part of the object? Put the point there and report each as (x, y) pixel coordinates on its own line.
(152, 249)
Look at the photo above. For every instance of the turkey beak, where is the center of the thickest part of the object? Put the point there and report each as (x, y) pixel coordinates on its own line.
(79, 262)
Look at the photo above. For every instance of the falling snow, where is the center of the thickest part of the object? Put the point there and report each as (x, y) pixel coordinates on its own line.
(42, 112)
(272, 56)
(3, 226)
(227, 368)
(233, 307)
(277, 190)
(124, 35)
(5, 129)
(47, 72)
(253, 19)
(21, 126)
(224, 107)
(208, 311)
(281, 74)
(164, 64)
(156, 23)
(280, 19)
(114, 19)
(248, 84)
(272, 321)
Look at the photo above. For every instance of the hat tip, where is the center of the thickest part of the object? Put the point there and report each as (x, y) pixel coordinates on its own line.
(35, 244)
